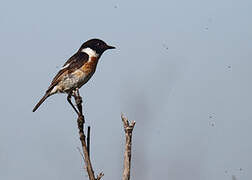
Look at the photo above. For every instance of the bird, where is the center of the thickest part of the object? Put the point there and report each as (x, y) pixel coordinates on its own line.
(77, 70)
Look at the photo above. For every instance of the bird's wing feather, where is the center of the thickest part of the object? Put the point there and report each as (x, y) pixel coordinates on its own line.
(73, 63)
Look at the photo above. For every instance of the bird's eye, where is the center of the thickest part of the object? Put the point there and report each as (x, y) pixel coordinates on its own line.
(98, 44)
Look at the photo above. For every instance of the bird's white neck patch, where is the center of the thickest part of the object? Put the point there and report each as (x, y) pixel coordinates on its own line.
(90, 52)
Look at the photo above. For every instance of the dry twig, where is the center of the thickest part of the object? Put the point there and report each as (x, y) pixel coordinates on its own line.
(81, 122)
(128, 128)
(88, 140)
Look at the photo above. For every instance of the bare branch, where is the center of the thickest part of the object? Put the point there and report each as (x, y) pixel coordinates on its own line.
(81, 122)
(88, 140)
(128, 128)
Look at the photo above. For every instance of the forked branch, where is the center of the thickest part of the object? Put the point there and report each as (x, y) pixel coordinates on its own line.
(128, 128)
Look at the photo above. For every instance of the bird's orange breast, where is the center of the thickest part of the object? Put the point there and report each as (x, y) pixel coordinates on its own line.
(90, 65)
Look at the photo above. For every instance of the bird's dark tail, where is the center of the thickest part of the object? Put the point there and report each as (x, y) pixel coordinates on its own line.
(41, 101)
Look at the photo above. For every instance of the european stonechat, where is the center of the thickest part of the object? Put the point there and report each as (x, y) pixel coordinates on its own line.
(77, 70)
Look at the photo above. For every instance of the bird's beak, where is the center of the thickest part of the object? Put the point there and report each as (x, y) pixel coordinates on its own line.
(110, 47)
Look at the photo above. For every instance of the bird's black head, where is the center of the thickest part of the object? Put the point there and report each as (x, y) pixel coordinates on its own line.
(97, 45)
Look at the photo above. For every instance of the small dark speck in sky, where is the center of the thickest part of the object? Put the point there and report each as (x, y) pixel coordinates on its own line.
(212, 124)
(165, 46)
(115, 6)
(229, 67)
(206, 28)
(241, 169)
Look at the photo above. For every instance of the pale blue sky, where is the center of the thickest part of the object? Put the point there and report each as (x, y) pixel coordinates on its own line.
(181, 70)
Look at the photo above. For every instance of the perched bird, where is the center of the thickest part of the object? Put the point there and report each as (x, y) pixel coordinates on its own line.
(77, 70)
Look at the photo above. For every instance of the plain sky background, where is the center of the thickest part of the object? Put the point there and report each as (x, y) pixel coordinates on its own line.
(181, 70)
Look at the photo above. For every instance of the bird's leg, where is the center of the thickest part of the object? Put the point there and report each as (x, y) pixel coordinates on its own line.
(78, 101)
(70, 102)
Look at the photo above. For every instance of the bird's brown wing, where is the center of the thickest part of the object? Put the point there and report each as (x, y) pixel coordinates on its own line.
(73, 63)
